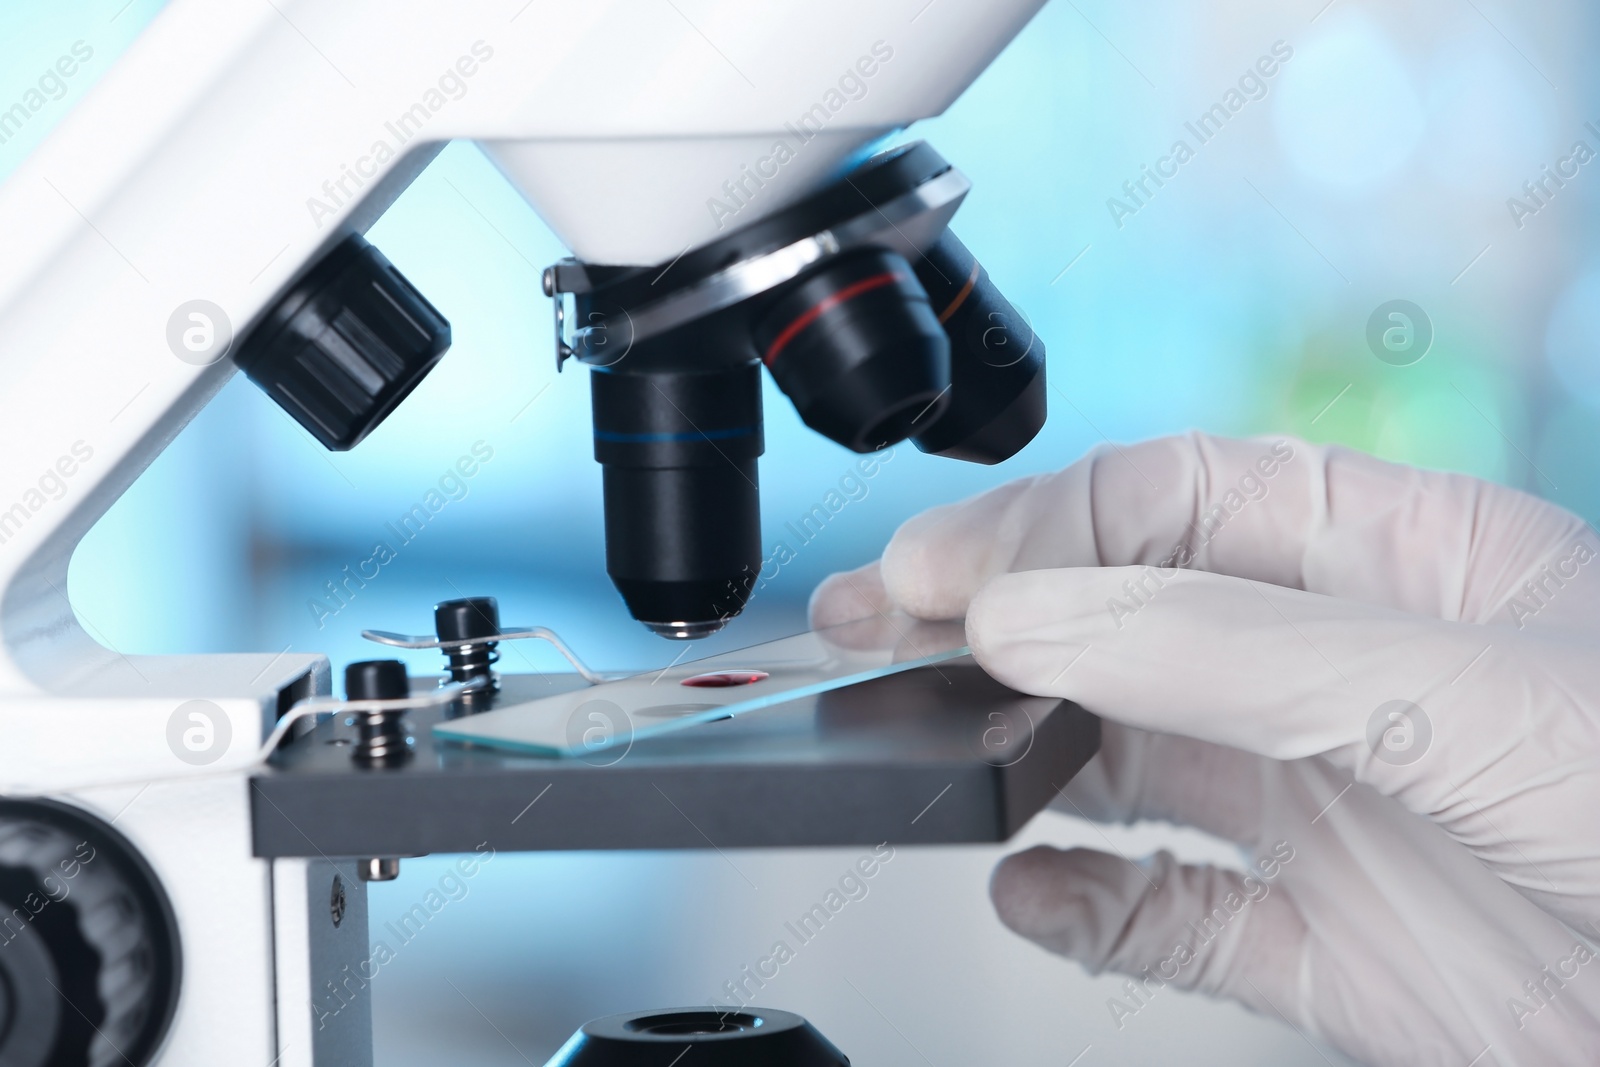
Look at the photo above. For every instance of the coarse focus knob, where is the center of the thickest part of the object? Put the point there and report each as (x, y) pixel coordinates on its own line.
(345, 345)
(89, 954)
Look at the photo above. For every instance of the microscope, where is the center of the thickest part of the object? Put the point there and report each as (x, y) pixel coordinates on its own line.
(184, 846)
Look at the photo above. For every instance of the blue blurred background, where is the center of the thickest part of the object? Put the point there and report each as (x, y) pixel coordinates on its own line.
(1378, 165)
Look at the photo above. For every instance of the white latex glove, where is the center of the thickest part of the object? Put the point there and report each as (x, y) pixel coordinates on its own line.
(1408, 895)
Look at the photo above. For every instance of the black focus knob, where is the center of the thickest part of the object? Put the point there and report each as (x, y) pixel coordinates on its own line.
(345, 345)
(89, 954)
(376, 679)
(467, 619)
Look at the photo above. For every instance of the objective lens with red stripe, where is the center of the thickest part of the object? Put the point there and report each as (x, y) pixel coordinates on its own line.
(859, 350)
(997, 366)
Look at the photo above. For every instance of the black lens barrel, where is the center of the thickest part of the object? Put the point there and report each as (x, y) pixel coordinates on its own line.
(682, 508)
(997, 376)
(859, 351)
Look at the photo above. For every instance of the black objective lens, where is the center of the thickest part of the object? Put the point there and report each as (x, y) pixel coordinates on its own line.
(997, 383)
(682, 509)
(859, 351)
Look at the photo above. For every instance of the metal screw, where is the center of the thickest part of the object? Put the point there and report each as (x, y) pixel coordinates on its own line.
(382, 741)
(382, 736)
(475, 619)
(336, 901)
(379, 868)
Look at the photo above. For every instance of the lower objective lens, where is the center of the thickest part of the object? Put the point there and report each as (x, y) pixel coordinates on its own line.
(682, 508)
(997, 377)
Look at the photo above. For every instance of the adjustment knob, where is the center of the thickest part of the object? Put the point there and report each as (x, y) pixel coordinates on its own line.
(345, 345)
(376, 679)
(381, 735)
(470, 619)
(466, 619)
(89, 956)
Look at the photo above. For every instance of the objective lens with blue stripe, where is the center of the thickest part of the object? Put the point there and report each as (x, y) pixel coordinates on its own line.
(682, 510)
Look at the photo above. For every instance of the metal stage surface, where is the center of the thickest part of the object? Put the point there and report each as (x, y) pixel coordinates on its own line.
(937, 755)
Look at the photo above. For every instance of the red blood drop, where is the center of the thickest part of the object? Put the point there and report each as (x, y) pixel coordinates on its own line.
(724, 679)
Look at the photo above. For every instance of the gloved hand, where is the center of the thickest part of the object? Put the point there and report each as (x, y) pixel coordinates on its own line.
(1382, 683)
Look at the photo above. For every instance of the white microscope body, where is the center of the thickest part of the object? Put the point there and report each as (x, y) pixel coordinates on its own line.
(230, 147)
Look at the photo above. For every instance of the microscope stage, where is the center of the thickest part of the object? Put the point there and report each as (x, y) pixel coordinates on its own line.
(941, 754)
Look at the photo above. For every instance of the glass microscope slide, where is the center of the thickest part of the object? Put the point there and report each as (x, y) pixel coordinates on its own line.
(589, 721)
